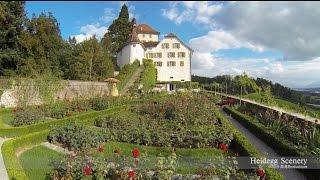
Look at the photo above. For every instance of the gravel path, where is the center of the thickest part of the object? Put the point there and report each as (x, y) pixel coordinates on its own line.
(3, 170)
(57, 148)
(291, 174)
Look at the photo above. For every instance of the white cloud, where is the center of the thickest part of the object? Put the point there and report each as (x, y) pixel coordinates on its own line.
(108, 16)
(289, 27)
(89, 30)
(199, 12)
(219, 39)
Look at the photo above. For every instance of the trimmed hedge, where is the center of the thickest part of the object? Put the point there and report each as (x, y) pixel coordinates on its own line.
(87, 117)
(149, 75)
(11, 161)
(281, 145)
(245, 147)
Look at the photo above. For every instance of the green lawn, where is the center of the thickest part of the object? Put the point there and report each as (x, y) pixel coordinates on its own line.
(36, 161)
(6, 117)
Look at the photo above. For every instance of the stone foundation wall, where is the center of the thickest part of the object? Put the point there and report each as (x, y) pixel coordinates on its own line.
(72, 90)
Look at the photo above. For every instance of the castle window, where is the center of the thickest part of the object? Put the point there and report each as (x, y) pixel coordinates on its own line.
(181, 54)
(143, 35)
(171, 54)
(165, 46)
(154, 55)
(171, 63)
(181, 63)
(176, 45)
(150, 36)
(158, 63)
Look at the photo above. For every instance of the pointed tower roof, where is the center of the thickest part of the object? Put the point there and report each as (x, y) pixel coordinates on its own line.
(134, 35)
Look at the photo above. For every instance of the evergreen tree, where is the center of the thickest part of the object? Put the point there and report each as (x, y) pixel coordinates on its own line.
(12, 16)
(119, 31)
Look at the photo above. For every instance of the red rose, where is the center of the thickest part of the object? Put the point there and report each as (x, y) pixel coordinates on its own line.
(260, 172)
(87, 170)
(100, 148)
(223, 147)
(135, 153)
(131, 173)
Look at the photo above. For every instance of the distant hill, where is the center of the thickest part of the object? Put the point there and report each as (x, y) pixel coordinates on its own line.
(278, 90)
(314, 85)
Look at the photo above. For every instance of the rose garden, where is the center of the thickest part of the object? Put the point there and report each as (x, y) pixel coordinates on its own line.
(162, 136)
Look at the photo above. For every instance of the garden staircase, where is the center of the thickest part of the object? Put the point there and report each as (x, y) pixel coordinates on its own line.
(134, 78)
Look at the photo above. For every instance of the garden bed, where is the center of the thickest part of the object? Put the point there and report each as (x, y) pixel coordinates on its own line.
(279, 143)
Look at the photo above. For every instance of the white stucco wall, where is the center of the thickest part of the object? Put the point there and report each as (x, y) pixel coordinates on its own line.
(178, 73)
(147, 38)
(129, 54)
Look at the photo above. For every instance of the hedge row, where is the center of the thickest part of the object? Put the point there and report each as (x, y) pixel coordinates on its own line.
(149, 75)
(245, 147)
(281, 145)
(11, 161)
(86, 117)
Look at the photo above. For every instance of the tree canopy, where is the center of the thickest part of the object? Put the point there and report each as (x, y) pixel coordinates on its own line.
(119, 31)
(31, 47)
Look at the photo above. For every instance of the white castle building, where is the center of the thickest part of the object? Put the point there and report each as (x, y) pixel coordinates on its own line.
(171, 56)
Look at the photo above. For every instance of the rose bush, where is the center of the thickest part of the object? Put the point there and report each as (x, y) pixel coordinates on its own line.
(77, 137)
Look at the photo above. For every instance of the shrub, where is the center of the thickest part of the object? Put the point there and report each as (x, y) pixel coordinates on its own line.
(149, 75)
(76, 137)
(180, 121)
(57, 110)
(27, 116)
(84, 118)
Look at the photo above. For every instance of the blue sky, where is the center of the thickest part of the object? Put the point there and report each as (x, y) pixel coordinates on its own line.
(269, 39)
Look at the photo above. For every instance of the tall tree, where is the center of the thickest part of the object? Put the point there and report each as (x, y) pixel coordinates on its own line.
(12, 16)
(119, 30)
(91, 61)
(44, 49)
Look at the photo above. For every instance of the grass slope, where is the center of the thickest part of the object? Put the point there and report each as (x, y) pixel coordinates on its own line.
(286, 105)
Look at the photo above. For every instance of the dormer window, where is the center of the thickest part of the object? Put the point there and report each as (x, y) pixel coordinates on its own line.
(176, 45)
(165, 46)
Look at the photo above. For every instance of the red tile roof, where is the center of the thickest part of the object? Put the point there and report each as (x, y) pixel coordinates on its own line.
(145, 28)
(150, 44)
